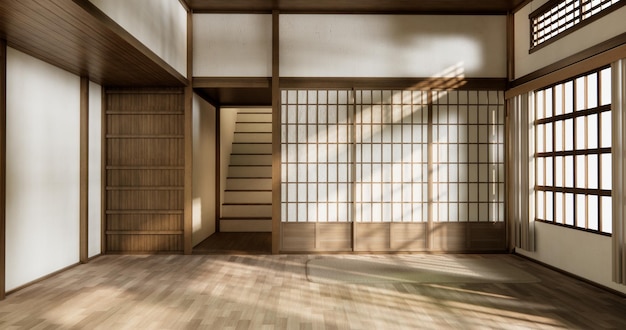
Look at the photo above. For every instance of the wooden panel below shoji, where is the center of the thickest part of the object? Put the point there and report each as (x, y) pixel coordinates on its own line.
(316, 237)
(469, 236)
(145, 161)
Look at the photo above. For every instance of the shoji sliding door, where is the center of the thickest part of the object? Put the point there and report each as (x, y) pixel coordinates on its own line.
(383, 170)
(317, 171)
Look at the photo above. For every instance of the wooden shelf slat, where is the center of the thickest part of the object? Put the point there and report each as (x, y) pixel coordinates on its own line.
(131, 188)
(144, 232)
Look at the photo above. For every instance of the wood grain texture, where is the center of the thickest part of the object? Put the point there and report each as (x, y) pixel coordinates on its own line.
(272, 292)
(84, 169)
(146, 170)
(3, 163)
(276, 135)
(78, 37)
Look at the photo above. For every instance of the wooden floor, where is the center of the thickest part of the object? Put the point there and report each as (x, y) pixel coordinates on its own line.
(236, 243)
(272, 292)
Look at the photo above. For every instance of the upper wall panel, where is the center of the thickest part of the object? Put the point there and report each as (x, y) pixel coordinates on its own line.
(588, 36)
(392, 46)
(232, 45)
(161, 25)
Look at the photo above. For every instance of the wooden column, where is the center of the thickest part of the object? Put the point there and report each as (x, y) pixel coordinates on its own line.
(84, 169)
(187, 217)
(276, 158)
(218, 169)
(3, 164)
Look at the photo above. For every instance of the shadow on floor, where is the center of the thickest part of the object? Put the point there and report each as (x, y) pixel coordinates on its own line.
(235, 243)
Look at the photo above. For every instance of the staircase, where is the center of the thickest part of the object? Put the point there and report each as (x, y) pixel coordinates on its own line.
(247, 204)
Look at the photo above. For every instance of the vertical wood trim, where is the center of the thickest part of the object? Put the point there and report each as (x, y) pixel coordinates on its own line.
(84, 169)
(353, 166)
(510, 46)
(188, 194)
(103, 172)
(276, 152)
(431, 168)
(3, 163)
(218, 168)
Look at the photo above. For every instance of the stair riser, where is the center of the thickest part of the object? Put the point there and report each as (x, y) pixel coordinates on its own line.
(239, 226)
(248, 197)
(253, 127)
(253, 137)
(250, 172)
(265, 148)
(251, 159)
(247, 211)
(248, 184)
(254, 118)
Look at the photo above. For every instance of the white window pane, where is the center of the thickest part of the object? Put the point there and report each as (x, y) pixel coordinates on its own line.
(569, 134)
(548, 137)
(558, 207)
(569, 209)
(605, 135)
(558, 136)
(592, 169)
(605, 86)
(549, 206)
(592, 90)
(580, 93)
(607, 214)
(581, 171)
(580, 133)
(592, 220)
(606, 173)
(569, 171)
(559, 172)
(592, 131)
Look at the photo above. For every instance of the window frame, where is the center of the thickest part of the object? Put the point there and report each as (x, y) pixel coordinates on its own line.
(576, 21)
(553, 154)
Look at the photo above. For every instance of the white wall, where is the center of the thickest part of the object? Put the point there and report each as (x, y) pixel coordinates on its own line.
(203, 212)
(95, 169)
(43, 169)
(161, 25)
(588, 36)
(581, 253)
(392, 46)
(232, 45)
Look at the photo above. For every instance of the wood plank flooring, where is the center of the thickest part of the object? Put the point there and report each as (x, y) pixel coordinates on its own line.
(272, 292)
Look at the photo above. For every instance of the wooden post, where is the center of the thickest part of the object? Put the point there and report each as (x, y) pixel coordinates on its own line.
(84, 169)
(276, 157)
(3, 164)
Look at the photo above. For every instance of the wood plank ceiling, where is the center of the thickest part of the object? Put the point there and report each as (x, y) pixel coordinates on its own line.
(78, 37)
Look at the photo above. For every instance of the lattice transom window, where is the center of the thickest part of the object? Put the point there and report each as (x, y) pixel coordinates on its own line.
(559, 17)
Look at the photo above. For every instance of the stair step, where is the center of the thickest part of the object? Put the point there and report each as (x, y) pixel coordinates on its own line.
(253, 127)
(253, 137)
(254, 110)
(239, 196)
(246, 211)
(248, 184)
(250, 171)
(254, 117)
(249, 159)
(245, 225)
(256, 148)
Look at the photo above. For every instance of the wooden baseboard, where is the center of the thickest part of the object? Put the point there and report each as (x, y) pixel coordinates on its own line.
(21, 287)
(572, 275)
